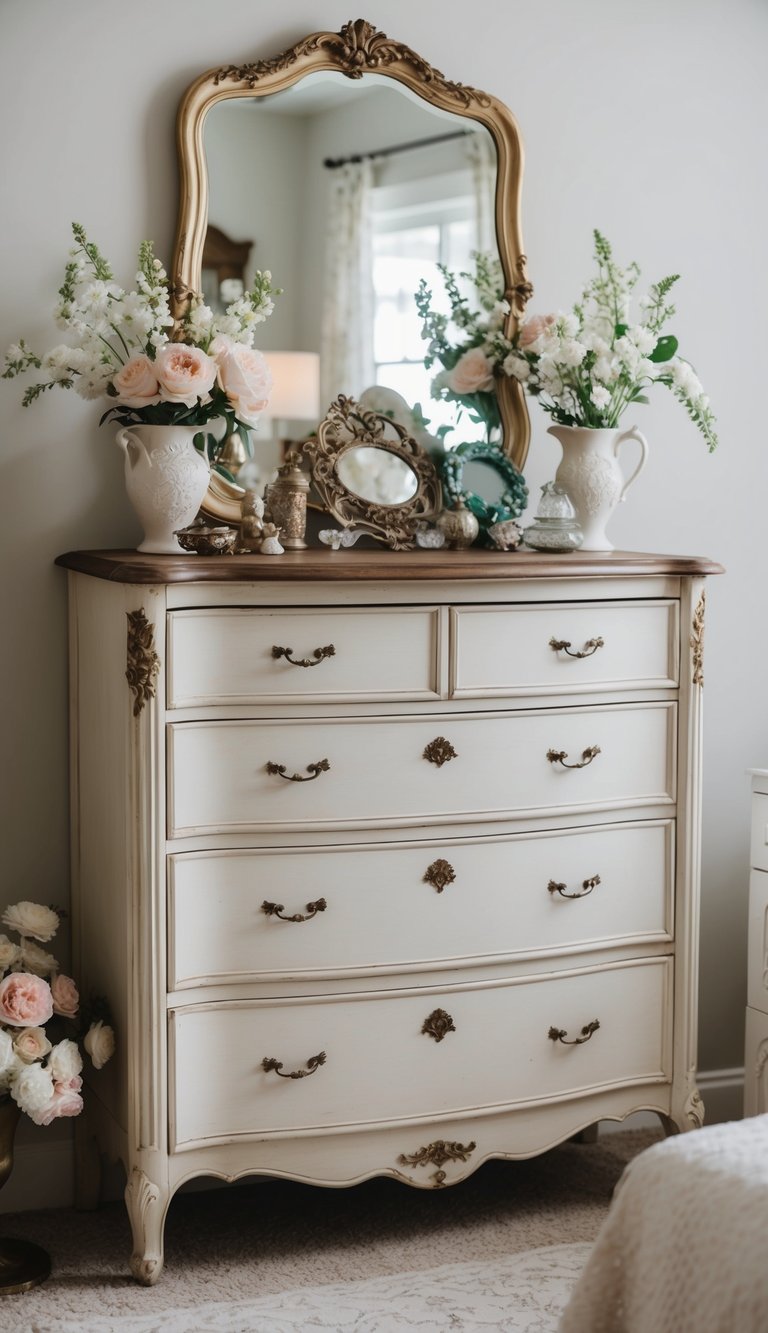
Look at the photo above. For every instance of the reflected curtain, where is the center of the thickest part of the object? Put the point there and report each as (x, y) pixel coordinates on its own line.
(346, 360)
(482, 159)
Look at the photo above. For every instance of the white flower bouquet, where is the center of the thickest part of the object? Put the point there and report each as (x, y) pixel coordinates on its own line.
(585, 368)
(125, 347)
(43, 1075)
(467, 352)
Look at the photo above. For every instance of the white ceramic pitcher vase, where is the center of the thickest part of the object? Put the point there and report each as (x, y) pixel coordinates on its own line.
(590, 475)
(166, 478)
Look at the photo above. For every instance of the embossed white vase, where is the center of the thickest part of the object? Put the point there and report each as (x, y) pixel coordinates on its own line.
(166, 479)
(590, 475)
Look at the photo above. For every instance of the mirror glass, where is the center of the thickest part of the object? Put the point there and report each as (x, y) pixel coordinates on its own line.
(351, 191)
(485, 481)
(377, 476)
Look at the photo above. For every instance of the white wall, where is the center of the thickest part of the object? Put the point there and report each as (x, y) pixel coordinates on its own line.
(647, 121)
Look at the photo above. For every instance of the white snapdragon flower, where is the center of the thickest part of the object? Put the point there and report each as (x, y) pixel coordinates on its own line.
(643, 338)
(517, 367)
(600, 396)
(606, 369)
(497, 315)
(136, 312)
(571, 352)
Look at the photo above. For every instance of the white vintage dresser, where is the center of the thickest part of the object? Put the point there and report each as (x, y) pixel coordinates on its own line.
(756, 1044)
(387, 863)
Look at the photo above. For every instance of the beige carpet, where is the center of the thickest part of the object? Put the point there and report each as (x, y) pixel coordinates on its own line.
(269, 1237)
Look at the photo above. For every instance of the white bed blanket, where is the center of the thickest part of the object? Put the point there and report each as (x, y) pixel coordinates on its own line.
(685, 1243)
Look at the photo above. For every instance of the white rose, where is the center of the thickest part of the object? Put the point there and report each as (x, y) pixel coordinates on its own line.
(7, 1054)
(9, 954)
(246, 379)
(31, 1044)
(34, 959)
(65, 1061)
(99, 1042)
(32, 1088)
(31, 919)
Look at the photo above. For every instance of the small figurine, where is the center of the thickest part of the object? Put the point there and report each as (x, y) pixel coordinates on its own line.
(270, 544)
(251, 524)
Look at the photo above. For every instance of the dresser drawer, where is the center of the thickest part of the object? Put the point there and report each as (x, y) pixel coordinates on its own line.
(236, 775)
(230, 655)
(415, 1054)
(564, 648)
(398, 907)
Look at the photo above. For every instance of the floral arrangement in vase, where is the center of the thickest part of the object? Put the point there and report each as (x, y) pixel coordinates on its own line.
(123, 350)
(586, 368)
(467, 353)
(40, 1064)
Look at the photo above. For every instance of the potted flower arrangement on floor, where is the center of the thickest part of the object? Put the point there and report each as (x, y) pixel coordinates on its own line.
(162, 382)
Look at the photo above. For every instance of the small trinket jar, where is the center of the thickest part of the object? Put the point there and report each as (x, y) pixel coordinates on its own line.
(555, 527)
(286, 501)
(270, 543)
(458, 525)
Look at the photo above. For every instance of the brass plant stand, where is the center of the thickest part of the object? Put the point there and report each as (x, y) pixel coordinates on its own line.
(22, 1264)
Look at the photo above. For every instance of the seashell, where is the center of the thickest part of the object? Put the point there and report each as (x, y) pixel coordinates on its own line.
(507, 535)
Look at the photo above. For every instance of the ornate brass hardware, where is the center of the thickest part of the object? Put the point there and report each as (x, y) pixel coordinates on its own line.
(439, 874)
(561, 1034)
(560, 756)
(318, 655)
(439, 751)
(438, 1024)
(277, 909)
(143, 662)
(587, 885)
(437, 1154)
(322, 766)
(591, 646)
(269, 1063)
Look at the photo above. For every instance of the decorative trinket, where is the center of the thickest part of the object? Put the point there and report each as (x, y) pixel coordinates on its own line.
(203, 540)
(507, 535)
(270, 544)
(286, 502)
(338, 537)
(458, 525)
(251, 524)
(430, 539)
(554, 527)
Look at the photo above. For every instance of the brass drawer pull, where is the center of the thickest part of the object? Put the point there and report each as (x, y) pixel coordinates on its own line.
(561, 1034)
(591, 646)
(439, 874)
(439, 751)
(317, 657)
(313, 1064)
(322, 766)
(587, 886)
(277, 909)
(560, 756)
(438, 1024)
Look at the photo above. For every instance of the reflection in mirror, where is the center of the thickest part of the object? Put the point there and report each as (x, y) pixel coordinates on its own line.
(378, 476)
(353, 192)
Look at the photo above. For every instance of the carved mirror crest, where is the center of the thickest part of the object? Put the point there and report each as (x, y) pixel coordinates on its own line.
(325, 79)
(372, 476)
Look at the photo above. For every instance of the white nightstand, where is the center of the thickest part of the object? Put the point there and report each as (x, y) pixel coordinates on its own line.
(756, 1042)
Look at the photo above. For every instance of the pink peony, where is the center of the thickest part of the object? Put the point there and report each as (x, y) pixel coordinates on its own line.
(533, 328)
(136, 383)
(246, 379)
(473, 373)
(66, 1100)
(185, 374)
(65, 996)
(25, 1000)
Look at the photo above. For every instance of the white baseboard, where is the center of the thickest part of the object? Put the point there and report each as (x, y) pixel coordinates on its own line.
(42, 1175)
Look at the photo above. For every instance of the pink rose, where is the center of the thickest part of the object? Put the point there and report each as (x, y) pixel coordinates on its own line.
(185, 374)
(246, 379)
(66, 1100)
(473, 373)
(65, 996)
(136, 383)
(533, 328)
(25, 1000)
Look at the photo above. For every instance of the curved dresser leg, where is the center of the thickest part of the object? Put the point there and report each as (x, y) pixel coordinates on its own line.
(688, 1116)
(147, 1205)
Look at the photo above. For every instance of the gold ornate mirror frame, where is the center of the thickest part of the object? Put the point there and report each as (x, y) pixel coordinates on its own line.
(359, 48)
(348, 426)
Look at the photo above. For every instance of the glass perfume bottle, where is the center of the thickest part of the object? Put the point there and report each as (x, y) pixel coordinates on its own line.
(555, 527)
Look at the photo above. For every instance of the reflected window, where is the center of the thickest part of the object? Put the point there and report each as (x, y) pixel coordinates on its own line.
(409, 240)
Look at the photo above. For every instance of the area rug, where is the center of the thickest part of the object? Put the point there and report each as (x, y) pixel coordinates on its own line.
(524, 1293)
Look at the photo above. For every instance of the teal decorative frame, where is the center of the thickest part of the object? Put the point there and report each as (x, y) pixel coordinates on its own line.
(515, 496)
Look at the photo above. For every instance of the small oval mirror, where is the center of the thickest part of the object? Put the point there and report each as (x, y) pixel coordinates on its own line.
(377, 475)
(485, 480)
